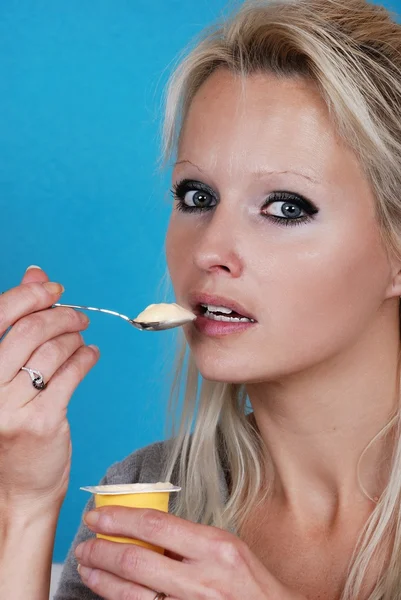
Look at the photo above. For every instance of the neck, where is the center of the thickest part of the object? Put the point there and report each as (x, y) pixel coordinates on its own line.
(315, 426)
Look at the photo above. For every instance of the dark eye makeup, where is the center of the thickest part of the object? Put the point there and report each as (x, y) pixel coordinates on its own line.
(204, 199)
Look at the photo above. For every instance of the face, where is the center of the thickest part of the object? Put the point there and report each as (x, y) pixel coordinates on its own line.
(274, 217)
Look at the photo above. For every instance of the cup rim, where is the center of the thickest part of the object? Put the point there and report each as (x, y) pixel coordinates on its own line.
(93, 490)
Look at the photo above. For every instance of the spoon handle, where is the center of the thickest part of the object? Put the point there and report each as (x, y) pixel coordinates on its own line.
(104, 310)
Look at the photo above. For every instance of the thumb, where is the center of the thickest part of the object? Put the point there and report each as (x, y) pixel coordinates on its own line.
(34, 274)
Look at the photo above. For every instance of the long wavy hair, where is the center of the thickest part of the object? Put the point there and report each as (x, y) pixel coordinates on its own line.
(351, 50)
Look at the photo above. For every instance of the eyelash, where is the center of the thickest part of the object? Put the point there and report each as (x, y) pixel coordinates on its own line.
(181, 188)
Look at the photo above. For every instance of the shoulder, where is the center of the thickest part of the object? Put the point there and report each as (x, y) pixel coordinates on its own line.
(142, 466)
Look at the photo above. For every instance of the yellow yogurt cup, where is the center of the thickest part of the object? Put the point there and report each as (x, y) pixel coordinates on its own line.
(133, 495)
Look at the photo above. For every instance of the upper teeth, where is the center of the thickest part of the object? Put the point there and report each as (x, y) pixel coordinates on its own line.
(222, 309)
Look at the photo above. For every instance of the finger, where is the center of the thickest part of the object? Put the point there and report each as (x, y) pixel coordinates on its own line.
(139, 565)
(33, 330)
(63, 383)
(111, 587)
(24, 300)
(34, 274)
(31, 275)
(48, 358)
(187, 539)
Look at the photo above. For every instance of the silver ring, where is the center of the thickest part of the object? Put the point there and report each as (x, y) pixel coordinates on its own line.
(38, 381)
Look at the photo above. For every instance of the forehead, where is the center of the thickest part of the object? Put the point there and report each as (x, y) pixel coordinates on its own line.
(263, 122)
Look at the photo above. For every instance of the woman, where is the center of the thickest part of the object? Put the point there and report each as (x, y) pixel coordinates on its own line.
(285, 238)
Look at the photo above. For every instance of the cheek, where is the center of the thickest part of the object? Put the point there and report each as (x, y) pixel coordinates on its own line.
(323, 295)
(179, 245)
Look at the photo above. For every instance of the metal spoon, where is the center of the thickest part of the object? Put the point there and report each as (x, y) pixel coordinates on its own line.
(143, 326)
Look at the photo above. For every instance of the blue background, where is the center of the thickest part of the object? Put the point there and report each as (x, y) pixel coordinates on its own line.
(81, 85)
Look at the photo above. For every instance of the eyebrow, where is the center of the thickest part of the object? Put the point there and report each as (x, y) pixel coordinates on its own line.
(259, 173)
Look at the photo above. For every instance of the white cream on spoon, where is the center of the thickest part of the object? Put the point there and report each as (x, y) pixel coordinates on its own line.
(165, 315)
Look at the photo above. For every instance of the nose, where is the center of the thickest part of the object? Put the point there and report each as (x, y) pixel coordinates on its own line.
(216, 247)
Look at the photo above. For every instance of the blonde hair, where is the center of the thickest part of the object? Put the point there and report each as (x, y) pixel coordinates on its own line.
(351, 50)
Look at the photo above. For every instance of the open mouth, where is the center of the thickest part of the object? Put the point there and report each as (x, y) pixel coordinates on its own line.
(221, 313)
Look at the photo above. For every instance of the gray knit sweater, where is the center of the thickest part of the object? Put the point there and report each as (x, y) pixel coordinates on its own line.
(143, 466)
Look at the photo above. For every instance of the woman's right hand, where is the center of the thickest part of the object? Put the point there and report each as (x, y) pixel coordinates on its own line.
(35, 442)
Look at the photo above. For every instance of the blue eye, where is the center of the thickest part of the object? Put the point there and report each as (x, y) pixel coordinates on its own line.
(289, 207)
(196, 197)
(193, 196)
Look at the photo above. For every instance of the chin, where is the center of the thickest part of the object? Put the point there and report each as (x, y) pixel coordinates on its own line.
(219, 377)
(223, 370)
(241, 366)
(235, 376)
(219, 364)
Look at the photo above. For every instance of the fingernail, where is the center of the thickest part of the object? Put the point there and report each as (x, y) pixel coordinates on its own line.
(33, 267)
(53, 288)
(92, 518)
(84, 572)
(95, 348)
(84, 317)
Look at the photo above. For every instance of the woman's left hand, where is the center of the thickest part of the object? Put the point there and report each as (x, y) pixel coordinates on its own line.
(201, 562)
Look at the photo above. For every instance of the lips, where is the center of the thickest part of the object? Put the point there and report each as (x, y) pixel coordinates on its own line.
(198, 298)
